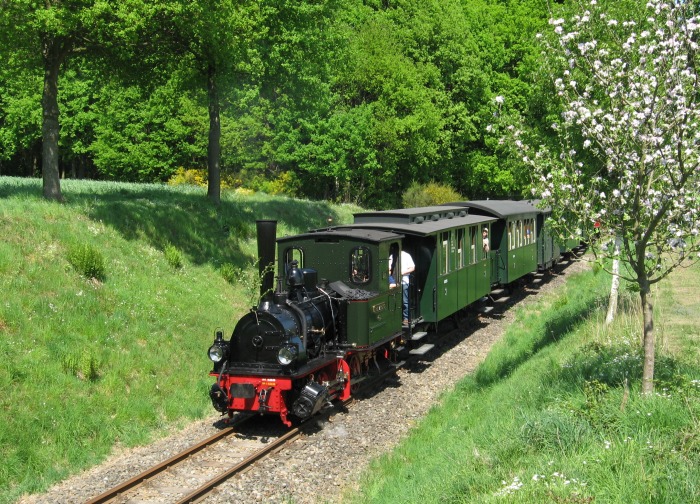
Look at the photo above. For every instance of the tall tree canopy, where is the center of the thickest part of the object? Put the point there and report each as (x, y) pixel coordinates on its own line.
(349, 100)
(43, 37)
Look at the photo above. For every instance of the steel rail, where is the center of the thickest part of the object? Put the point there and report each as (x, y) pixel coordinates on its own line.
(206, 488)
(157, 469)
(200, 493)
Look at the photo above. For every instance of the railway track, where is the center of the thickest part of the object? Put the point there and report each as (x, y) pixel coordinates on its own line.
(215, 459)
(192, 474)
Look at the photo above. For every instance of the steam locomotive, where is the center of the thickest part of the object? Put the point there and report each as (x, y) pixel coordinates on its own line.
(334, 317)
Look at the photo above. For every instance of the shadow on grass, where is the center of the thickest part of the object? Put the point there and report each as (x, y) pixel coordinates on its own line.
(551, 329)
(615, 365)
(202, 231)
(189, 221)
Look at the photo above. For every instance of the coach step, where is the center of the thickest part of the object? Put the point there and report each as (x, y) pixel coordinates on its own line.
(419, 335)
(423, 349)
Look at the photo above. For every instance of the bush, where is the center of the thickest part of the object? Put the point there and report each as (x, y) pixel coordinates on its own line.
(83, 365)
(88, 261)
(200, 177)
(420, 195)
(230, 273)
(287, 183)
(173, 256)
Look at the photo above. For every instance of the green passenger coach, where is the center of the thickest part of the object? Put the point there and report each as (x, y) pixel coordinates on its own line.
(514, 244)
(452, 268)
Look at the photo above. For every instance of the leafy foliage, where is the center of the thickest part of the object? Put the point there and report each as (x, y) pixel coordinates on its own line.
(419, 195)
(349, 101)
(628, 87)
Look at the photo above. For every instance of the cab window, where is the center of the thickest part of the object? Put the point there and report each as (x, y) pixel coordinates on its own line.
(360, 260)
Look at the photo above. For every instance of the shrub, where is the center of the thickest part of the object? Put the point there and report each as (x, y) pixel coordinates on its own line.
(419, 195)
(83, 365)
(230, 273)
(200, 177)
(88, 261)
(287, 183)
(197, 177)
(173, 256)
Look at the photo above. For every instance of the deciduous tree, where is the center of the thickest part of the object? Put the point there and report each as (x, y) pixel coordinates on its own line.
(630, 139)
(43, 36)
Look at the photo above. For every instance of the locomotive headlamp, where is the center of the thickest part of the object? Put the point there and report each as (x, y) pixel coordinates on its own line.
(287, 354)
(218, 350)
(216, 353)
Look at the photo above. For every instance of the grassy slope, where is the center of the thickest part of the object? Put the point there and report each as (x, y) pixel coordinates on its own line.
(554, 414)
(90, 365)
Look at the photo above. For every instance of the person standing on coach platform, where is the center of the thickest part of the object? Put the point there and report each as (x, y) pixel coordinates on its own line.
(407, 267)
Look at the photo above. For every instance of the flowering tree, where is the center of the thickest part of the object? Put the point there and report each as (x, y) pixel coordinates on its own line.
(627, 169)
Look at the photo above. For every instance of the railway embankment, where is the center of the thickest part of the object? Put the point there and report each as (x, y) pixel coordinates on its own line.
(555, 413)
(538, 401)
(109, 303)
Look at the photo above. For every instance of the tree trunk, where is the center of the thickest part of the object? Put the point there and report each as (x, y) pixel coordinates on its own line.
(214, 146)
(614, 288)
(649, 345)
(53, 57)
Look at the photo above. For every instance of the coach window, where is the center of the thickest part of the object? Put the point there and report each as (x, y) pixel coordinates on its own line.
(360, 265)
(511, 240)
(293, 254)
(445, 240)
(528, 231)
(519, 233)
(472, 241)
(460, 248)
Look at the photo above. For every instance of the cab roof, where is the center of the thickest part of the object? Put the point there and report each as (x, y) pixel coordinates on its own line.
(346, 233)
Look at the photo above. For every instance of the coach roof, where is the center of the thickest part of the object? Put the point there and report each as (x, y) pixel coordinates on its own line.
(499, 208)
(426, 228)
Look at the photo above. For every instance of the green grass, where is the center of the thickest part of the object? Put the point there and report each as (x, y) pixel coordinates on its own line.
(555, 413)
(94, 363)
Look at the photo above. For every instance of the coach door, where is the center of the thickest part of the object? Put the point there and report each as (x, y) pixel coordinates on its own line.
(447, 284)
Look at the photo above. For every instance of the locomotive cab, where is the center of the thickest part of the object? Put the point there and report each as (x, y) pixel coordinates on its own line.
(356, 266)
